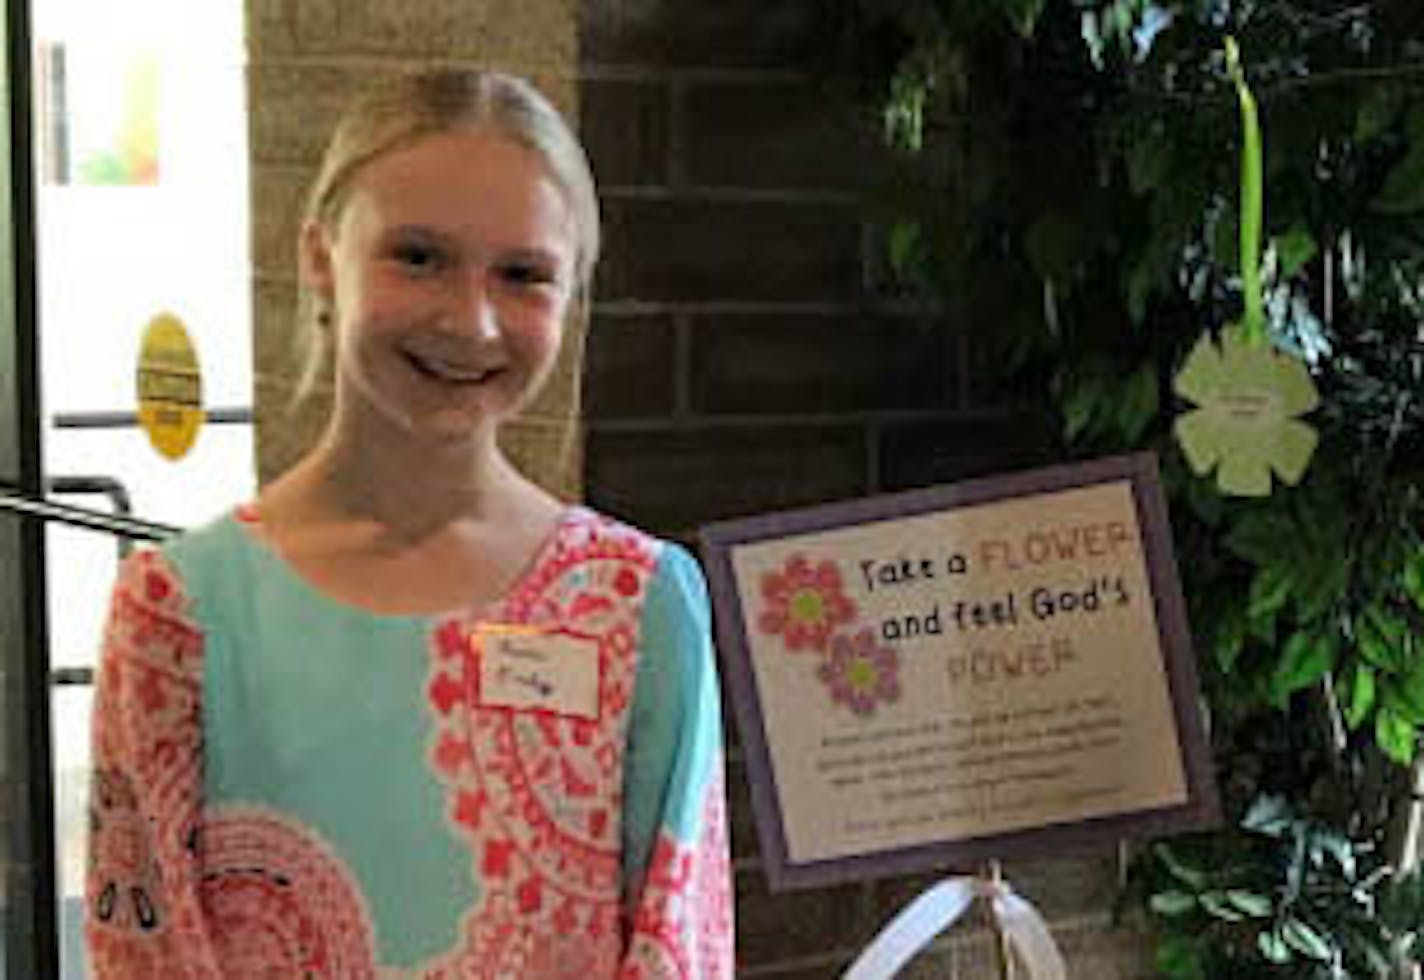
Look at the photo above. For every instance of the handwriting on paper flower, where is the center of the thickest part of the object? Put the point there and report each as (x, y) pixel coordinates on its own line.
(1249, 396)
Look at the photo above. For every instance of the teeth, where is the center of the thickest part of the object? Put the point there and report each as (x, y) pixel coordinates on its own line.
(449, 372)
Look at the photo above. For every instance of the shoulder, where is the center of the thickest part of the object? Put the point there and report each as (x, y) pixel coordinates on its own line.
(672, 573)
(170, 579)
(213, 542)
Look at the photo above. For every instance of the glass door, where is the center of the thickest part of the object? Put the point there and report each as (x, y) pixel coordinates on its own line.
(140, 180)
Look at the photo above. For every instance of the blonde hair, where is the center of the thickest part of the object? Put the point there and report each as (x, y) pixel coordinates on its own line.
(411, 106)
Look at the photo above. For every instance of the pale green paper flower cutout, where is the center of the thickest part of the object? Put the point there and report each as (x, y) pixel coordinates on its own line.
(1249, 395)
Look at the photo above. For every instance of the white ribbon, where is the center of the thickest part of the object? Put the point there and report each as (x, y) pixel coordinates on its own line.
(939, 908)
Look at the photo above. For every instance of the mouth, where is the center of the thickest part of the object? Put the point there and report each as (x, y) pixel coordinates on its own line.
(449, 372)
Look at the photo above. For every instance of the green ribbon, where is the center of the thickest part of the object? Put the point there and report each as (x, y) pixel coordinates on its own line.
(1253, 322)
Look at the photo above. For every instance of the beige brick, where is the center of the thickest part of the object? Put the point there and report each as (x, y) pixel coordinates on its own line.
(295, 105)
(531, 36)
(421, 28)
(278, 195)
(277, 350)
(508, 33)
(285, 431)
(548, 451)
(271, 28)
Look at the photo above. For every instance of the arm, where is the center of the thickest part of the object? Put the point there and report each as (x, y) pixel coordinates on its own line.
(676, 866)
(142, 911)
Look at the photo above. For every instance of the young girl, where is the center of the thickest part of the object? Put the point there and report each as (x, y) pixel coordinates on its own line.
(407, 715)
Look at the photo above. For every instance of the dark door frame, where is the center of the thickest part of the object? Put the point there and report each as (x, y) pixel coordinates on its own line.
(31, 943)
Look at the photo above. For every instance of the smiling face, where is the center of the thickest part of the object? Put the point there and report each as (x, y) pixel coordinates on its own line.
(448, 269)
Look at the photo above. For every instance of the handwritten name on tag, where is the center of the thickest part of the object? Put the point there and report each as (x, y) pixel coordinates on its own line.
(526, 669)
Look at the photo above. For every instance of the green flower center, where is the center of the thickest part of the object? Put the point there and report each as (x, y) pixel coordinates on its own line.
(807, 606)
(861, 675)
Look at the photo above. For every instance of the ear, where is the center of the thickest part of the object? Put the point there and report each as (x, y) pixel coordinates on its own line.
(314, 261)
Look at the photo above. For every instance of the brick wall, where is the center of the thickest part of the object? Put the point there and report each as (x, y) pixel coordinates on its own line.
(742, 360)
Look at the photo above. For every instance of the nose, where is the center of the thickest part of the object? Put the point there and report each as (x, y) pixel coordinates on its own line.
(475, 311)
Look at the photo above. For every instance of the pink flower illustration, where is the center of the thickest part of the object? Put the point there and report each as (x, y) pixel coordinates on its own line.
(861, 672)
(804, 603)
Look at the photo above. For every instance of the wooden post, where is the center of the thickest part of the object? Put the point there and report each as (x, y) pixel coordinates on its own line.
(1003, 952)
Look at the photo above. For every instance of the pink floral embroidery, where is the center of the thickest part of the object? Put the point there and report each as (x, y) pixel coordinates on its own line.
(804, 603)
(683, 929)
(141, 923)
(279, 903)
(174, 893)
(861, 672)
(537, 796)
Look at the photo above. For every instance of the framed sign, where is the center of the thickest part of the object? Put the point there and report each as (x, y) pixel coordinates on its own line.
(961, 673)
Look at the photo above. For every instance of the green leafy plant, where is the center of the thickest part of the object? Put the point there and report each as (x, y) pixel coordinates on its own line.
(1085, 284)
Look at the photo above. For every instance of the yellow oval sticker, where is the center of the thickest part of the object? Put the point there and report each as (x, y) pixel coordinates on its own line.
(170, 387)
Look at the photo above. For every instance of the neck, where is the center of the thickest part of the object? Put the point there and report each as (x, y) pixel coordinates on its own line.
(372, 470)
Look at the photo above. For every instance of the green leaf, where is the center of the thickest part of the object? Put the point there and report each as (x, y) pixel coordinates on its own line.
(1377, 111)
(1140, 400)
(1273, 947)
(1080, 406)
(1180, 957)
(1178, 868)
(1173, 903)
(1251, 904)
(1409, 692)
(1394, 735)
(1329, 843)
(1372, 637)
(1414, 579)
(1147, 160)
(1229, 638)
(1303, 939)
(1393, 629)
(1403, 191)
(1360, 694)
(903, 246)
(1305, 659)
(1024, 14)
(1402, 903)
(1218, 906)
(1294, 249)
(1269, 815)
(1270, 588)
(1258, 536)
(1319, 585)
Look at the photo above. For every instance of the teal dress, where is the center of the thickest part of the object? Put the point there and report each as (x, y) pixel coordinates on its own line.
(287, 786)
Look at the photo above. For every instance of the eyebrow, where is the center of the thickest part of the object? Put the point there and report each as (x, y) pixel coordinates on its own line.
(418, 231)
(519, 253)
(532, 256)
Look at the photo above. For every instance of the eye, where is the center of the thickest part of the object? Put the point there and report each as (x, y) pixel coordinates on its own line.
(528, 274)
(418, 256)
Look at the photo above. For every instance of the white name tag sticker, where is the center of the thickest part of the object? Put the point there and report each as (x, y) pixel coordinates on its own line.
(528, 669)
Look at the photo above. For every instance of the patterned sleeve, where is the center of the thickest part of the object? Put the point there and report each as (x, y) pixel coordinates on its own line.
(142, 918)
(676, 865)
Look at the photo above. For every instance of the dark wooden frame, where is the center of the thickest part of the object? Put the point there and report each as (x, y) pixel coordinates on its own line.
(27, 855)
(1201, 807)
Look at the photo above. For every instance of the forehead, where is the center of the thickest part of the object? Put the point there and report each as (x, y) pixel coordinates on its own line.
(476, 180)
